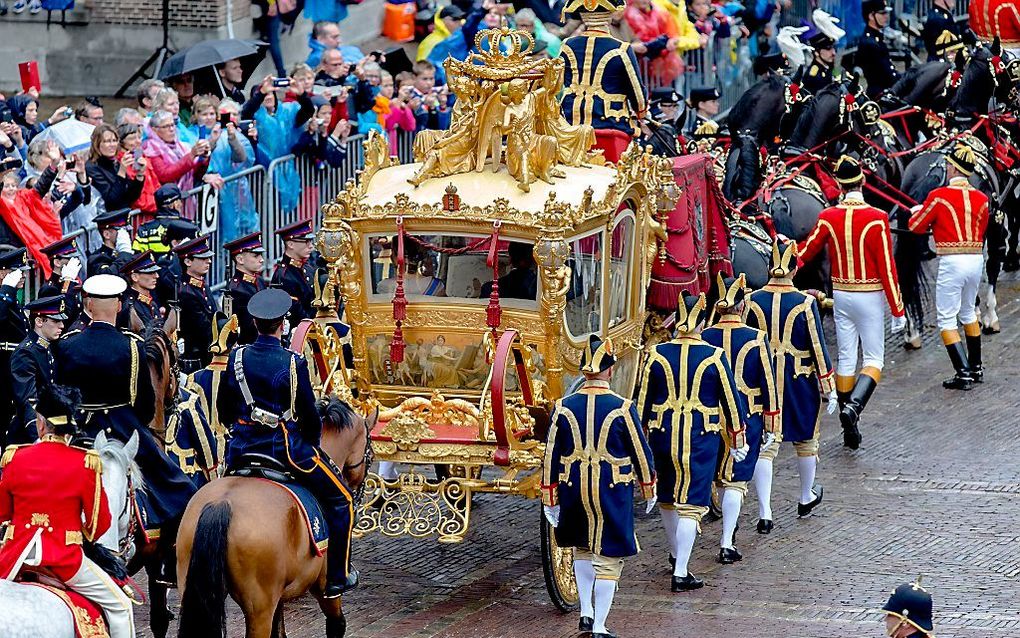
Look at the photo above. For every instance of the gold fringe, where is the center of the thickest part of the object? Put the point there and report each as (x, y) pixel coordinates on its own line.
(8, 455)
(93, 462)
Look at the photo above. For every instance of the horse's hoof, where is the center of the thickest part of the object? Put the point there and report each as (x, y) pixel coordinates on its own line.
(991, 329)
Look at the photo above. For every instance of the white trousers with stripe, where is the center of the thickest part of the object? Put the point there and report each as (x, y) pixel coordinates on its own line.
(956, 289)
(93, 583)
(860, 325)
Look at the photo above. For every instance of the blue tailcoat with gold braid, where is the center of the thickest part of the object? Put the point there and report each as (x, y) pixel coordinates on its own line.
(749, 354)
(191, 441)
(601, 86)
(594, 453)
(793, 323)
(688, 399)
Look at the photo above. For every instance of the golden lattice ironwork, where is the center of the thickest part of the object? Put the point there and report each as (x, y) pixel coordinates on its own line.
(412, 505)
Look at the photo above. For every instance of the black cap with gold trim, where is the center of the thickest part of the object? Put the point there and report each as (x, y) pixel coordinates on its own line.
(911, 603)
(963, 158)
(593, 6)
(848, 171)
(16, 259)
(598, 355)
(58, 404)
(52, 307)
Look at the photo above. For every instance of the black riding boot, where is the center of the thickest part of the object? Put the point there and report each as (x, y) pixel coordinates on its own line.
(962, 380)
(977, 371)
(167, 557)
(851, 412)
(340, 575)
(842, 398)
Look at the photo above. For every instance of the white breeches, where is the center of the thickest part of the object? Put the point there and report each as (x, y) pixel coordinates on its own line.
(93, 583)
(956, 289)
(860, 324)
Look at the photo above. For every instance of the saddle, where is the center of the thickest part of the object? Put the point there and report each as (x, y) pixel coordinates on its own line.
(267, 468)
(261, 466)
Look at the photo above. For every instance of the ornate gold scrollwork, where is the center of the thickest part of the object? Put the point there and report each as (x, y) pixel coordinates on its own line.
(413, 506)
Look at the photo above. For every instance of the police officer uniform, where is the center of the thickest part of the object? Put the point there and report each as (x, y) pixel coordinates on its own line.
(52, 494)
(595, 452)
(65, 248)
(690, 405)
(938, 22)
(107, 260)
(793, 323)
(267, 398)
(206, 383)
(197, 307)
(295, 276)
(601, 83)
(152, 234)
(911, 605)
(13, 329)
(873, 53)
(864, 281)
(819, 73)
(242, 286)
(109, 368)
(141, 303)
(957, 215)
(32, 368)
(753, 371)
(663, 131)
(177, 232)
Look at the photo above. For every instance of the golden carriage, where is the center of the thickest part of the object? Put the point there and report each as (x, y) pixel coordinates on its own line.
(511, 199)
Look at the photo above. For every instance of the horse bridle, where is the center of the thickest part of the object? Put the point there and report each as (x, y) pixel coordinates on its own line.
(131, 509)
(366, 460)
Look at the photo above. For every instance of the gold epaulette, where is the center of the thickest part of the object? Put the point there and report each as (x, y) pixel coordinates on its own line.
(9, 454)
(93, 462)
(133, 335)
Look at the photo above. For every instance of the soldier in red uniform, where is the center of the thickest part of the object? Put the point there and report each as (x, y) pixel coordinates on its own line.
(996, 18)
(957, 215)
(52, 495)
(863, 281)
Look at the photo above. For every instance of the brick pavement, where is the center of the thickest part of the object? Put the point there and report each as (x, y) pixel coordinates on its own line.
(933, 491)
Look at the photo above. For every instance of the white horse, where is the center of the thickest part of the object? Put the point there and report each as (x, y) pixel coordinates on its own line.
(33, 612)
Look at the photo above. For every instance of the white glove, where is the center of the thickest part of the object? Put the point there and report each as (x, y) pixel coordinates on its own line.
(833, 403)
(898, 324)
(739, 454)
(768, 441)
(650, 505)
(70, 270)
(12, 279)
(552, 514)
(123, 241)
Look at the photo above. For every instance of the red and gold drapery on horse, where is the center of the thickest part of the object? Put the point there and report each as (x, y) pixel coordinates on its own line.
(991, 18)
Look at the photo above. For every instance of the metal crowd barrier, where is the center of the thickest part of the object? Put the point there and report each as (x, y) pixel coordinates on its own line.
(724, 63)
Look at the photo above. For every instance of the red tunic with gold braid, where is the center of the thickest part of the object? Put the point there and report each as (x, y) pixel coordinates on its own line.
(52, 487)
(990, 18)
(860, 249)
(957, 216)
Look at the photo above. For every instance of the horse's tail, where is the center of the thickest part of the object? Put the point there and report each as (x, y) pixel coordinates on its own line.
(203, 613)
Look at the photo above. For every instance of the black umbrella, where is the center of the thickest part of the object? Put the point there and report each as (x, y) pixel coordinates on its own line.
(206, 54)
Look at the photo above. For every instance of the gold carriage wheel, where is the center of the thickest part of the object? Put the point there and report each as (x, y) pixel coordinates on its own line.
(558, 566)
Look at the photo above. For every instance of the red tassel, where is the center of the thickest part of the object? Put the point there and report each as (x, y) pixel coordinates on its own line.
(399, 301)
(397, 345)
(493, 312)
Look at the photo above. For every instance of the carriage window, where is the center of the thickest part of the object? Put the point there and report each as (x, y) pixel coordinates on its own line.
(621, 244)
(584, 299)
(452, 266)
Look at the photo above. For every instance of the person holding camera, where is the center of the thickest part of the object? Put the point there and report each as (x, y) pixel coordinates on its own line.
(108, 169)
(173, 160)
(321, 143)
(25, 113)
(231, 154)
(129, 137)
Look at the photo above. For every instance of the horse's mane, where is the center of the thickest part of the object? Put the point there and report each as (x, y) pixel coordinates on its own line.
(746, 113)
(815, 120)
(156, 343)
(921, 85)
(336, 414)
(114, 449)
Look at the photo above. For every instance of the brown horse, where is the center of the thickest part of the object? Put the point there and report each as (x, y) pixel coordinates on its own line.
(248, 538)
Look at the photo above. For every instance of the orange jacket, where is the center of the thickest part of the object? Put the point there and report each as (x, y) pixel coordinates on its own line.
(50, 486)
(957, 216)
(860, 249)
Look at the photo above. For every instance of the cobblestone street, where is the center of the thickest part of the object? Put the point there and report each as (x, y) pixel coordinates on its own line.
(933, 491)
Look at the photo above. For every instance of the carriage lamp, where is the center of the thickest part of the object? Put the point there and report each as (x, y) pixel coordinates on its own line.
(329, 242)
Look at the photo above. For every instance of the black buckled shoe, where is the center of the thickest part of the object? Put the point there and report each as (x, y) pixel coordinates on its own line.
(689, 582)
(334, 590)
(977, 374)
(586, 624)
(958, 382)
(729, 555)
(765, 526)
(804, 509)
